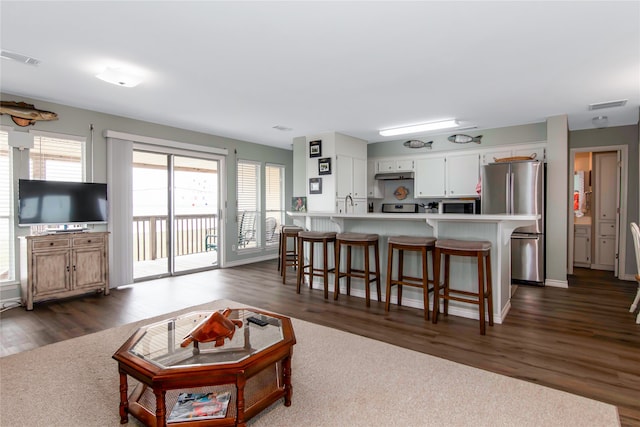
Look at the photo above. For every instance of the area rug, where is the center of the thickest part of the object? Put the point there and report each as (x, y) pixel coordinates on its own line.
(339, 379)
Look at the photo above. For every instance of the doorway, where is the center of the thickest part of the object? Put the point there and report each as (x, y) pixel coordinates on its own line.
(176, 203)
(597, 210)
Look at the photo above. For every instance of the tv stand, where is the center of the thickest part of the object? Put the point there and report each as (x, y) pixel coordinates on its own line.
(63, 265)
(66, 230)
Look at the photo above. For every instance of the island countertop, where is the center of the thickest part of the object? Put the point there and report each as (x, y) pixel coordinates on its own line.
(494, 228)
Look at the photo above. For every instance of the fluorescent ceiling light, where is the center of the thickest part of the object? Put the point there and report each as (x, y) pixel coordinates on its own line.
(119, 78)
(420, 128)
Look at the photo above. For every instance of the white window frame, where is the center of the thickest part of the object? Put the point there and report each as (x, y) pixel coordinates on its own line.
(249, 234)
(279, 213)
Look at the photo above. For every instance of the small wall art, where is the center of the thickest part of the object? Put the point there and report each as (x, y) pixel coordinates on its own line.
(315, 185)
(315, 148)
(324, 166)
(299, 204)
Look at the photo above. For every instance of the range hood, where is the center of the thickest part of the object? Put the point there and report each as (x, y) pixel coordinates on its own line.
(394, 175)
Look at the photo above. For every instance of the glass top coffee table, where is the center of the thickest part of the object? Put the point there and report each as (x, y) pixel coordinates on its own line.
(252, 368)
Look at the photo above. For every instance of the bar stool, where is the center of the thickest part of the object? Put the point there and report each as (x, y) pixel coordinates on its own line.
(313, 237)
(364, 241)
(424, 245)
(481, 250)
(288, 257)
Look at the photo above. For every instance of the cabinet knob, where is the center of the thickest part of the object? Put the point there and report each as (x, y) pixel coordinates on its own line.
(89, 241)
(50, 243)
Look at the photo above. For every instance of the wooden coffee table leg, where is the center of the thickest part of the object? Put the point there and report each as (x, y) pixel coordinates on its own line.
(286, 374)
(124, 401)
(240, 383)
(161, 419)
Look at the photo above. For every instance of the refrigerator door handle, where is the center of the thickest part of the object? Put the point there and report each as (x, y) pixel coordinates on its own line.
(525, 237)
(507, 190)
(511, 180)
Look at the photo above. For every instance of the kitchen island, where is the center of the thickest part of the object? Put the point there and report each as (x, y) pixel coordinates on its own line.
(496, 229)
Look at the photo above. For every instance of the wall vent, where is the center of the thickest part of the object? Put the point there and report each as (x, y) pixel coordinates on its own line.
(608, 104)
(19, 58)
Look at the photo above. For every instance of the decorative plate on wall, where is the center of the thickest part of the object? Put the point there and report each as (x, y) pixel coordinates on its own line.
(401, 193)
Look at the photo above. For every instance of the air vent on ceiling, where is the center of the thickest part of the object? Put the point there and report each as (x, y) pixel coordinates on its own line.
(282, 128)
(608, 104)
(19, 58)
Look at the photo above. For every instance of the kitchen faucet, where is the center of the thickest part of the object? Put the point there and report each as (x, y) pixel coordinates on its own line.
(348, 197)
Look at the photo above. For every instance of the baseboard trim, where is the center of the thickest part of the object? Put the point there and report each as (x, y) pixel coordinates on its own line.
(556, 283)
(251, 260)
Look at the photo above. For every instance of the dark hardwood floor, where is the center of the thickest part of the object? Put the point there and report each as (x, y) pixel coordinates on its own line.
(582, 340)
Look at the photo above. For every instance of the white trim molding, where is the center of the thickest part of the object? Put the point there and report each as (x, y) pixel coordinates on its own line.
(163, 142)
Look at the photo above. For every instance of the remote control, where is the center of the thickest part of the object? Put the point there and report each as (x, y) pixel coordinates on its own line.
(257, 321)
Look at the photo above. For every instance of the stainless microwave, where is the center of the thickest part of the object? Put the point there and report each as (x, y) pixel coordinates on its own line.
(459, 207)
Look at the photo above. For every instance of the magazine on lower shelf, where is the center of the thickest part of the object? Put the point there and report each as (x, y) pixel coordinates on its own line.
(199, 406)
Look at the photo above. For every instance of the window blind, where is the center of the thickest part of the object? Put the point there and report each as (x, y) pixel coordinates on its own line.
(6, 224)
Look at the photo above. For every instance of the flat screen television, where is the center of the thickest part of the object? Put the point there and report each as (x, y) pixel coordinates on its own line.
(59, 202)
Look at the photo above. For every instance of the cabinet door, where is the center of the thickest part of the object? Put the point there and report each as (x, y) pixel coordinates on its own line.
(88, 267)
(404, 165)
(359, 178)
(429, 177)
(606, 174)
(51, 272)
(386, 165)
(374, 186)
(605, 253)
(582, 249)
(463, 173)
(344, 176)
(536, 152)
(491, 156)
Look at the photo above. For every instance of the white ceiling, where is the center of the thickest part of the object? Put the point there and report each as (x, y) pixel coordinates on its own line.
(237, 69)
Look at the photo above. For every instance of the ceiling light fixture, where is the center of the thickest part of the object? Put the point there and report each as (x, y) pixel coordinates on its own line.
(119, 78)
(419, 128)
(600, 121)
(18, 57)
(608, 104)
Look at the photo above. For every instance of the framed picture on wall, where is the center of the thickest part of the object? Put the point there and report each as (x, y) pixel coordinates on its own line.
(315, 148)
(324, 166)
(315, 185)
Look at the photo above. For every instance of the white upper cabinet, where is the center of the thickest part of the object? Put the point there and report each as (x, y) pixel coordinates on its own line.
(430, 177)
(535, 151)
(395, 165)
(375, 188)
(351, 177)
(463, 174)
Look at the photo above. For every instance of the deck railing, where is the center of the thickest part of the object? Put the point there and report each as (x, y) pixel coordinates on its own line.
(150, 235)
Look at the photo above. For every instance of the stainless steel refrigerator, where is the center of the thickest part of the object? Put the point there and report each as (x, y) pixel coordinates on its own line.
(518, 188)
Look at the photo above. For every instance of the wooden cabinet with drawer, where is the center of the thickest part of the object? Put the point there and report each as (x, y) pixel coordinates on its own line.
(63, 265)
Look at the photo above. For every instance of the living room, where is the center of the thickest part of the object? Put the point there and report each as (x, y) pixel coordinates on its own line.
(102, 127)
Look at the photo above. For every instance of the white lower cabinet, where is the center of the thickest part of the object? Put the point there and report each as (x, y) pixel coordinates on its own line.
(582, 246)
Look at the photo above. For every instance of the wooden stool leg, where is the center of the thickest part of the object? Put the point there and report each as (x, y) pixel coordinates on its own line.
(425, 283)
(480, 261)
(389, 273)
(446, 283)
(300, 264)
(348, 269)
(489, 294)
(376, 250)
(312, 245)
(400, 274)
(367, 282)
(325, 267)
(336, 286)
(436, 285)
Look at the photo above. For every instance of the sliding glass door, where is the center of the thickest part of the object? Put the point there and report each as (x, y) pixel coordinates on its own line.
(175, 214)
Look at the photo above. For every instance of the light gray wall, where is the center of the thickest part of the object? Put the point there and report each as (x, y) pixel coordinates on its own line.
(620, 135)
(535, 132)
(75, 121)
(557, 189)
